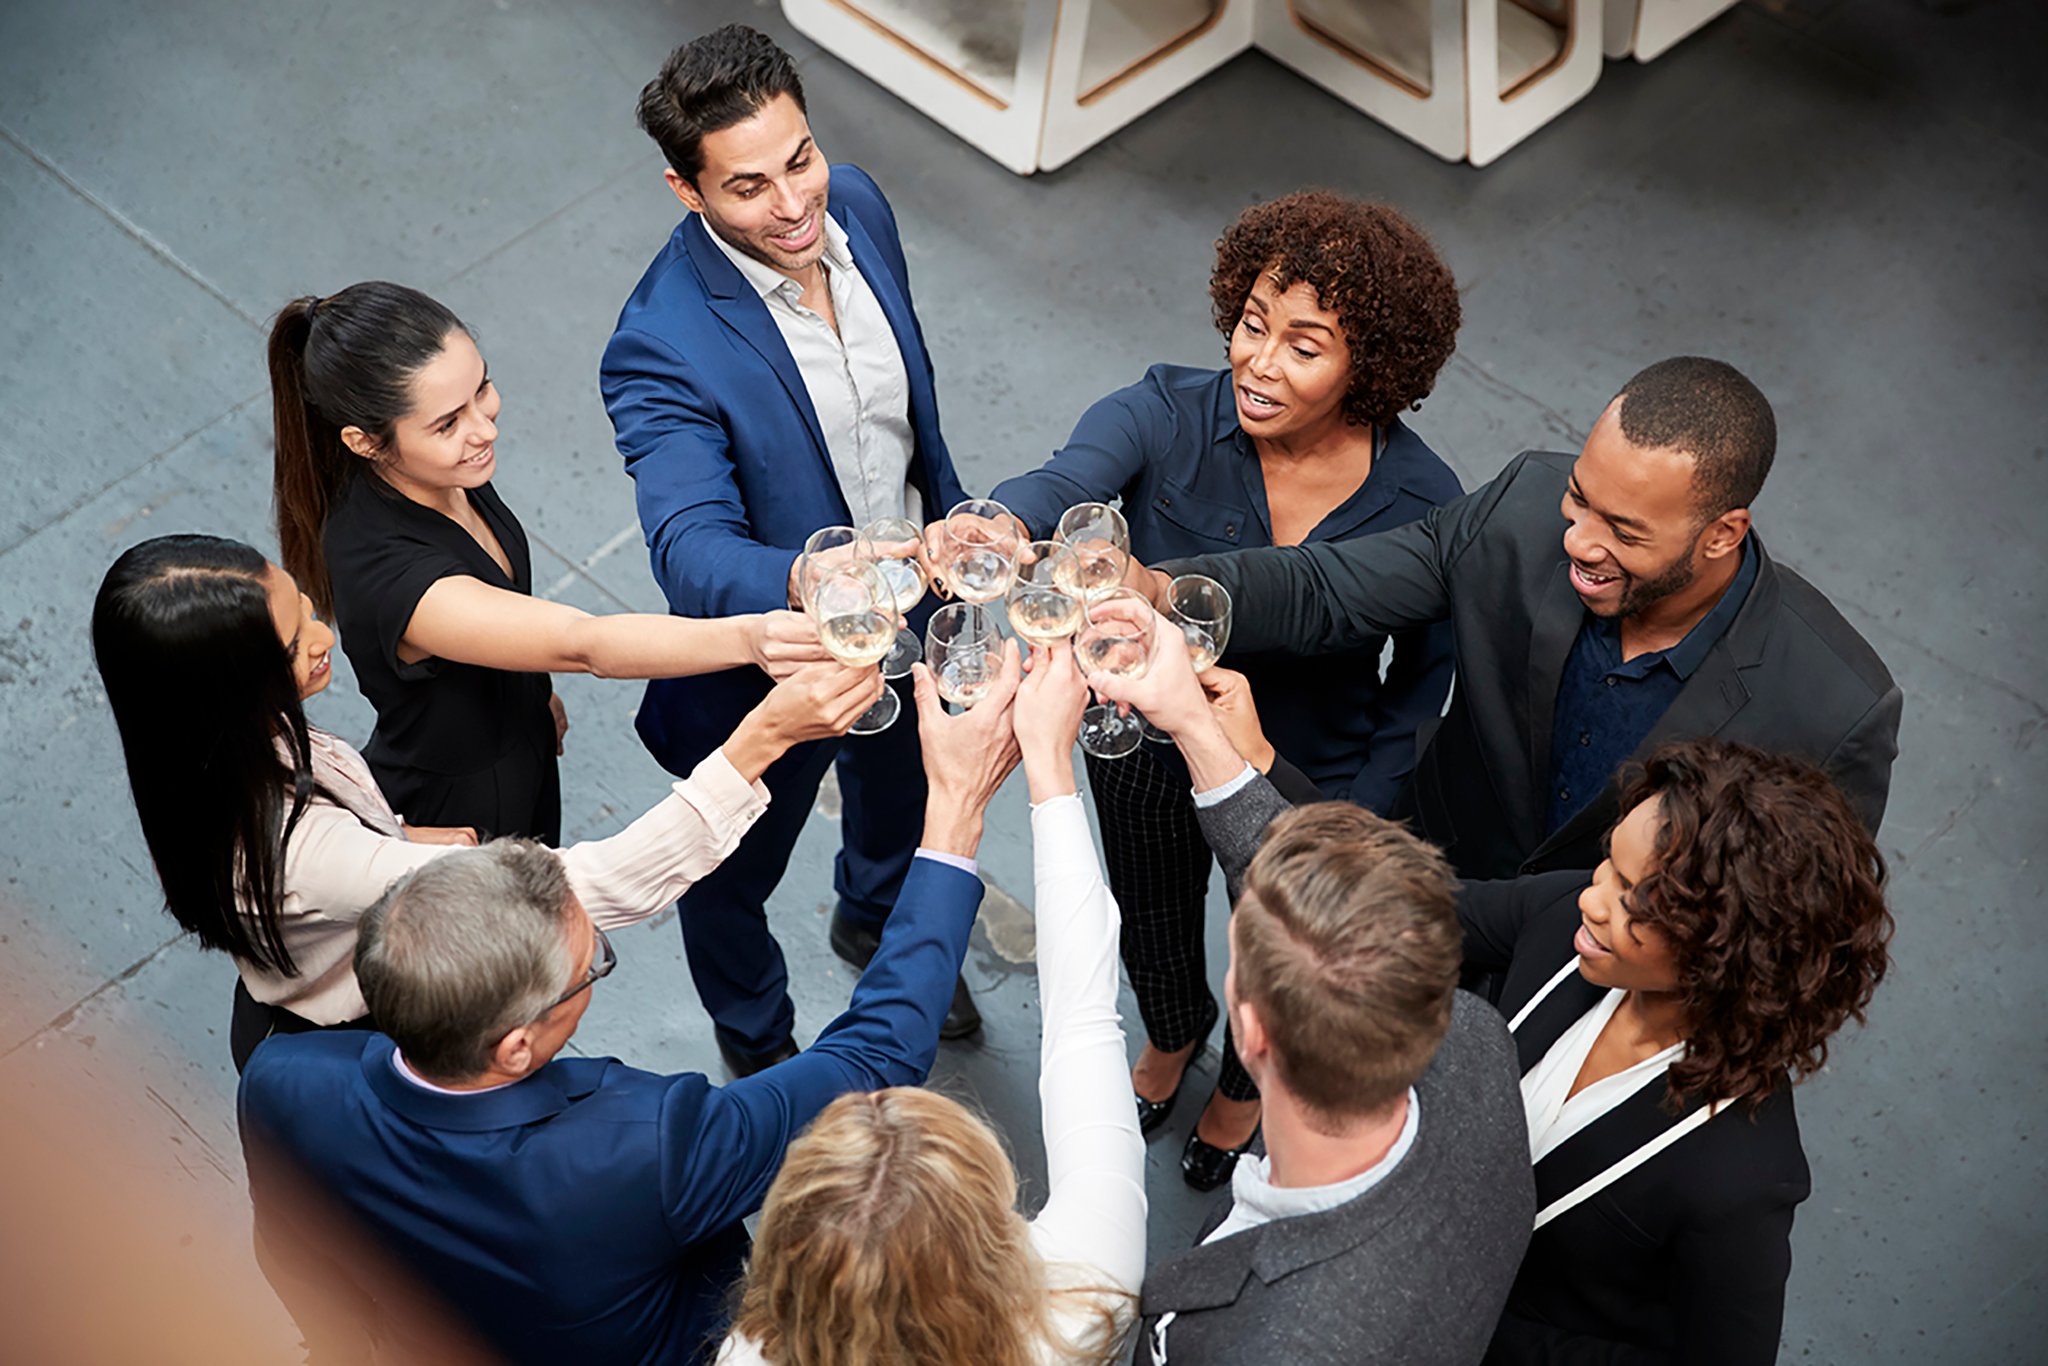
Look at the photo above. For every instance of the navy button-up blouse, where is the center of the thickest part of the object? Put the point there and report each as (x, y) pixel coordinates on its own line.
(1170, 448)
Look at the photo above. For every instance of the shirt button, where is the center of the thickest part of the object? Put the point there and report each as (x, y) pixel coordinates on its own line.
(1564, 794)
(1166, 502)
(1585, 739)
(1231, 530)
(1610, 682)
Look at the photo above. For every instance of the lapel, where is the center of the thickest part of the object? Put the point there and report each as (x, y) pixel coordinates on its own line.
(1567, 1001)
(1638, 1120)
(734, 301)
(1558, 619)
(1707, 702)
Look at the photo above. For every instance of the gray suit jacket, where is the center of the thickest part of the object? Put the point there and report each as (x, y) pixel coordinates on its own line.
(1415, 1270)
(1789, 675)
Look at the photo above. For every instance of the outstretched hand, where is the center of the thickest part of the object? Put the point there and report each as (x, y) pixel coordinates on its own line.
(1168, 691)
(1050, 701)
(966, 757)
(783, 642)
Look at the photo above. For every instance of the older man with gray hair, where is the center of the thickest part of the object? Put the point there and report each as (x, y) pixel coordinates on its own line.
(571, 1208)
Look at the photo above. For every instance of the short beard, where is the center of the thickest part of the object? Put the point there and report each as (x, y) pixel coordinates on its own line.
(1675, 578)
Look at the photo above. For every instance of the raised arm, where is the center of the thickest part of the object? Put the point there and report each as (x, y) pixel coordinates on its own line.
(1109, 445)
(889, 1033)
(674, 441)
(1094, 1215)
(469, 621)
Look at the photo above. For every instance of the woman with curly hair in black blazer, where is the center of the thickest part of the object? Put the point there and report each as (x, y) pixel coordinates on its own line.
(1662, 1014)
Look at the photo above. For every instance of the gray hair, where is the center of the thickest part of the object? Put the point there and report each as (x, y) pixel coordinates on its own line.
(460, 952)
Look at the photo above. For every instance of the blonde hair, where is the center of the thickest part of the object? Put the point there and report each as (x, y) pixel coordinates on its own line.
(892, 1235)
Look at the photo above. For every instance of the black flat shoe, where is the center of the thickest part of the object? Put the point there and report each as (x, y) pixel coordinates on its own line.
(1205, 1166)
(856, 944)
(1153, 1113)
(747, 1064)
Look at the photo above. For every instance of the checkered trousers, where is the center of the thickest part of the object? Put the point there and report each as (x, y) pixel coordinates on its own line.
(1158, 867)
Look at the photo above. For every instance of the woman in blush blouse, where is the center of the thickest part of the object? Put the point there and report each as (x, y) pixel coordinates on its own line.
(1663, 1013)
(891, 1233)
(1338, 316)
(271, 838)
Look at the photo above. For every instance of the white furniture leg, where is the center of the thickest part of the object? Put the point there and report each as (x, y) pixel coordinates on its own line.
(1401, 61)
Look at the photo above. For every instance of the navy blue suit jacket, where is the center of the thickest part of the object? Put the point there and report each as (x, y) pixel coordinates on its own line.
(590, 1212)
(729, 464)
(1171, 448)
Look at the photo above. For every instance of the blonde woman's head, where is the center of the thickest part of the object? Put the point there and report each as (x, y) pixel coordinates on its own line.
(892, 1235)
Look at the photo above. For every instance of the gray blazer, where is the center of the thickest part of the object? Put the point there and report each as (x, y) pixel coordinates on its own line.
(1790, 675)
(1414, 1271)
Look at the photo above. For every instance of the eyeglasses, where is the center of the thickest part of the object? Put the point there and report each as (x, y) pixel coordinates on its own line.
(602, 960)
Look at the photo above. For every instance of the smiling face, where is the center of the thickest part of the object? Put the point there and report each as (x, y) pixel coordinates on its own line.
(307, 639)
(763, 187)
(1613, 950)
(1634, 537)
(1289, 363)
(448, 440)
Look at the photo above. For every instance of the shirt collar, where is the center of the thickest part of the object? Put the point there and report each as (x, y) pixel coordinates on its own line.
(1688, 654)
(765, 278)
(1251, 1187)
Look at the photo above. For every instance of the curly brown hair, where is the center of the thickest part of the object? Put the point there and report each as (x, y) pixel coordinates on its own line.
(1771, 894)
(1391, 292)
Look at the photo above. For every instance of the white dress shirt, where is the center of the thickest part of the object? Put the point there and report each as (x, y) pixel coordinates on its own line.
(344, 853)
(1255, 1200)
(1091, 1233)
(1554, 1114)
(854, 376)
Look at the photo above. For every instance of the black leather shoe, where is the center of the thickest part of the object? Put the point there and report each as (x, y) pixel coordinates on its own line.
(1153, 1113)
(747, 1064)
(1205, 1166)
(856, 943)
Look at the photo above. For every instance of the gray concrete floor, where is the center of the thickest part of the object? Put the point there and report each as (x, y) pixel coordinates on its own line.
(1844, 197)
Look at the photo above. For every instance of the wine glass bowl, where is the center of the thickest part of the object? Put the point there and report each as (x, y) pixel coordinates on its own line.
(894, 543)
(1101, 542)
(1200, 606)
(963, 647)
(1115, 639)
(856, 617)
(978, 550)
(1043, 605)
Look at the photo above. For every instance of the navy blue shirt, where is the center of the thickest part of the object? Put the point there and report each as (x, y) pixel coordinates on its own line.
(1606, 706)
(1170, 448)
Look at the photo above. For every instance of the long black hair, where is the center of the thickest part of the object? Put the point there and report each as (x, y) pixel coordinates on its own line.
(347, 360)
(219, 757)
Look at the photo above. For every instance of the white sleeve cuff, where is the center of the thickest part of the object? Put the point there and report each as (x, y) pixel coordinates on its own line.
(965, 865)
(1228, 790)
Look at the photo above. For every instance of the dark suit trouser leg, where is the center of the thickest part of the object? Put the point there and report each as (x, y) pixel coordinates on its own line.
(734, 959)
(881, 815)
(1158, 865)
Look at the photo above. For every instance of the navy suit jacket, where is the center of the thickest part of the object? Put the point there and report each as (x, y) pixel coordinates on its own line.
(590, 1212)
(729, 464)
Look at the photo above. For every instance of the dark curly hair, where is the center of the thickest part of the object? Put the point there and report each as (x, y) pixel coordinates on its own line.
(1771, 894)
(1391, 292)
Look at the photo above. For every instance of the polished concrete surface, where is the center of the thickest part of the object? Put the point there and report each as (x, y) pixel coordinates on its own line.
(1844, 197)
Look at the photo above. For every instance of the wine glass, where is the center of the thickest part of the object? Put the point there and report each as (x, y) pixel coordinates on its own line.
(1101, 542)
(963, 647)
(1200, 606)
(856, 619)
(1115, 639)
(978, 550)
(1043, 605)
(895, 542)
(827, 548)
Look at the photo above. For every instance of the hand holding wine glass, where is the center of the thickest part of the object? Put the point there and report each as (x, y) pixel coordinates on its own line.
(856, 618)
(1115, 645)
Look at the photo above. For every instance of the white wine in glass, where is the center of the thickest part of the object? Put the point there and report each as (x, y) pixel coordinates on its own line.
(858, 638)
(978, 573)
(1202, 651)
(964, 679)
(1044, 616)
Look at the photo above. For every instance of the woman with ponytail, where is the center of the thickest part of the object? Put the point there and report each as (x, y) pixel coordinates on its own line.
(271, 838)
(386, 445)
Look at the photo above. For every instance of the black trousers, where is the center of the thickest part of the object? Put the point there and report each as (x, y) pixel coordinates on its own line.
(1158, 867)
(252, 1022)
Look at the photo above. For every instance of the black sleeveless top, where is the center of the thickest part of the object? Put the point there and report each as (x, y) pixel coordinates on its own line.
(436, 719)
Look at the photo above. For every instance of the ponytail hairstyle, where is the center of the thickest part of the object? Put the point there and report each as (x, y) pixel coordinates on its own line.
(347, 360)
(219, 757)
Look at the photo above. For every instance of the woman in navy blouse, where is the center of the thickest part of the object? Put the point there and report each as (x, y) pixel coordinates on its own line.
(1339, 315)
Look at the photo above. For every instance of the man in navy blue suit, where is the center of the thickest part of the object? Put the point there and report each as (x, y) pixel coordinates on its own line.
(768, 378)
(569, 1209)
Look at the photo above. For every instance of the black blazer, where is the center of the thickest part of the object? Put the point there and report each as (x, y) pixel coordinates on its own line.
(1684, 1259)
(1790, 675)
